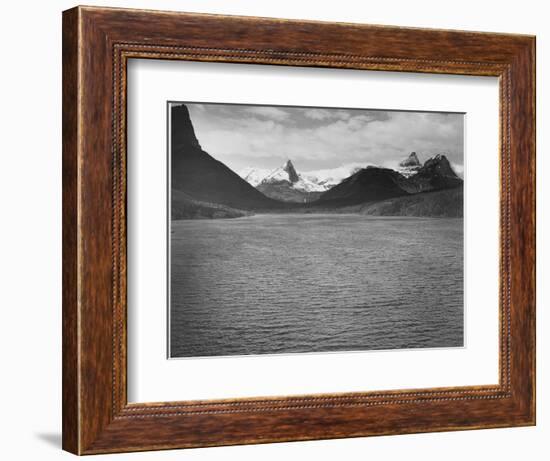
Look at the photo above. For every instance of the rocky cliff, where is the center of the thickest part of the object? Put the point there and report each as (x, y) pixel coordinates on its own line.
(373, 184)
(203, 178)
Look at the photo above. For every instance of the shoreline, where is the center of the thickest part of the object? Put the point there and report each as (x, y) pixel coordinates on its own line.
(316, 214)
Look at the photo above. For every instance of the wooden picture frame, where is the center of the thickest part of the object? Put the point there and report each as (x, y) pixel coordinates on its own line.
(97, 43)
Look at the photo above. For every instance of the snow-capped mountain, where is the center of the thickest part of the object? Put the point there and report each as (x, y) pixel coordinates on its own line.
(311, 181)
(254, 176)
(328, 178)
(287, 173)
(284, 183)
(410, 165)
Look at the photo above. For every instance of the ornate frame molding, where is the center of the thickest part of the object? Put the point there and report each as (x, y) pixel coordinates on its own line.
(98, 43)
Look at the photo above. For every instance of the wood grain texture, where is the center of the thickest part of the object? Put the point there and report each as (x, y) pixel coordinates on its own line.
(70, 384)
(97, 43)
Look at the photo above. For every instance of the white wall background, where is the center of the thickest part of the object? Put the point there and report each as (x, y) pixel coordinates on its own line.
(30, 230)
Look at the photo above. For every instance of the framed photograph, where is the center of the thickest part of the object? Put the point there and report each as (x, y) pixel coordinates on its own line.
(281, 230)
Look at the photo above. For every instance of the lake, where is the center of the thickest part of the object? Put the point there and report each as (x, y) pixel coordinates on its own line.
(279, 284)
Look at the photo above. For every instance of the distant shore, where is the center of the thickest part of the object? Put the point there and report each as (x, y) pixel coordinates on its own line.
(448, 203)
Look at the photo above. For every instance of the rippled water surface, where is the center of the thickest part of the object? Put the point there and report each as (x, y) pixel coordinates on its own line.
(271, 284)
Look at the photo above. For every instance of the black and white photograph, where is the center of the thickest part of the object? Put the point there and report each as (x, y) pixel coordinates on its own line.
(314, 229)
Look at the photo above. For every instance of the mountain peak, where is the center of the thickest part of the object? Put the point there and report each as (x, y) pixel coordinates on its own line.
(183, 133)
(411, 161)
(409, 166)
(440, 164)
(291, 171)
(201, 185)
(436, 173)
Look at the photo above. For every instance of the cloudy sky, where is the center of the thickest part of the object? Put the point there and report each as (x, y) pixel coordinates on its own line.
(317, 138)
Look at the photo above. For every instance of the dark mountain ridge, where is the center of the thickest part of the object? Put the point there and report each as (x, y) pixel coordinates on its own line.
(205, 179)
(374, 184)
(368, 184)
(435, 174)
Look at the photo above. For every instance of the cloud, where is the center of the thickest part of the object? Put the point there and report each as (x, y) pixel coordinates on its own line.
(458, 168)
(268, 112)
(317, 114)
(264, 136)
